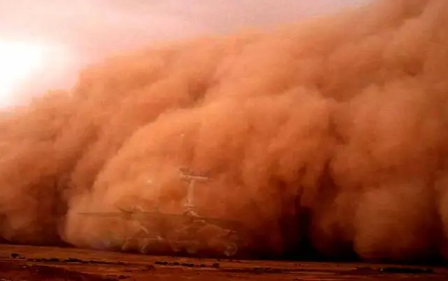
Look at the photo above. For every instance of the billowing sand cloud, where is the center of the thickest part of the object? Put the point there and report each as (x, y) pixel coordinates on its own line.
(332, 132)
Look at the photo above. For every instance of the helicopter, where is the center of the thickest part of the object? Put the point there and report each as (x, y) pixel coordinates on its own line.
(185, 232)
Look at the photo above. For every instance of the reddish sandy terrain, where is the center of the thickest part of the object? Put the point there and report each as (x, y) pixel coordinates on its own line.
(46, 263)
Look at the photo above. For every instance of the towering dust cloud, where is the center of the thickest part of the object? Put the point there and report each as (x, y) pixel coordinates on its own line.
(329, 133)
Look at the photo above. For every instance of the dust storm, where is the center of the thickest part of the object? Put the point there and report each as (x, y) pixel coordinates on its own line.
(327, 134)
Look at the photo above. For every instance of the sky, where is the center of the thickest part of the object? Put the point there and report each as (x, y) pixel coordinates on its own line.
(86, 30)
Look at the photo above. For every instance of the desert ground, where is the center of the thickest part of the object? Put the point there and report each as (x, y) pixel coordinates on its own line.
(51, 263)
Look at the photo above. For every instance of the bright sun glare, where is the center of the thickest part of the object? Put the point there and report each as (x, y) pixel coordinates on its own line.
(18, 62)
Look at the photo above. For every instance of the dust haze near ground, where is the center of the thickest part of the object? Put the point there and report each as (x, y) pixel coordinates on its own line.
(339, 121)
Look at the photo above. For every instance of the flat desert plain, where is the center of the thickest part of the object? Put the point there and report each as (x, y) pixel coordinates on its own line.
(51, 263)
